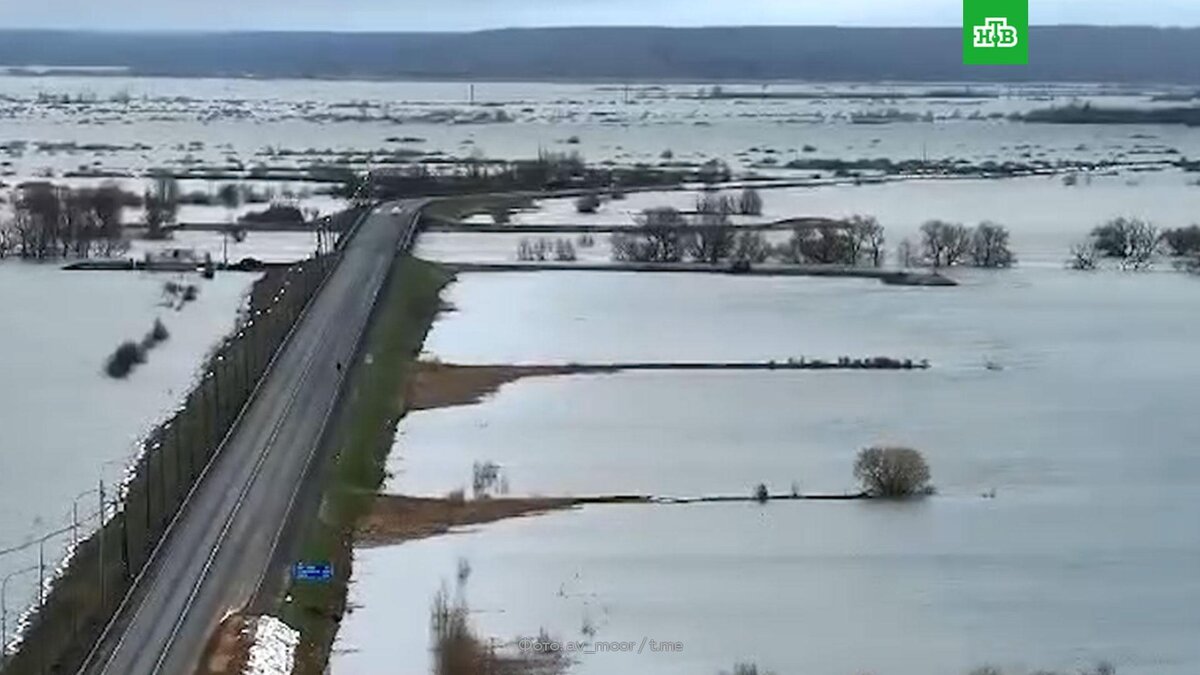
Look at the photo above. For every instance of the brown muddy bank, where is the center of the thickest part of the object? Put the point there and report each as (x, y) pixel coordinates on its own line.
(444, 385)
(396, 518)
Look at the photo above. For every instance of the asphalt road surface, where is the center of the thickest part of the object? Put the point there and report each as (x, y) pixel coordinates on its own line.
(219, 549)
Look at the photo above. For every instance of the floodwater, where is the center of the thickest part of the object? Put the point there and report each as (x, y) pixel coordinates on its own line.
(1082, 428)
(1045, 216)
(136, 124)
(271, 247)
(66, 425)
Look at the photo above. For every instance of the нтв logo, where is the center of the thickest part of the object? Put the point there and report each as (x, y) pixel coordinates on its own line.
(995, 32)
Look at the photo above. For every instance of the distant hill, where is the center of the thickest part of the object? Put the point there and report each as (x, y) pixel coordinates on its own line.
(1057, 54)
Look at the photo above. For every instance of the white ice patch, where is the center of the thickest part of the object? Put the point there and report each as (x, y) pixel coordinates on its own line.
(273, 651)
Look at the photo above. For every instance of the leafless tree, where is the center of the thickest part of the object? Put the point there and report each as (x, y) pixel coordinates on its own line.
(108, 204)
(534, 250)
(892, 472)
(822, 245)
(1133, 241)
(750, 203)
(162, 205)
(751, 247)
(564, 250)
(906, 253)
(989, 246)
(1084, 256)
(944, 244)
(712, 238)
(665, 230)
(866, 240)
(715, 203)
(1183, 241)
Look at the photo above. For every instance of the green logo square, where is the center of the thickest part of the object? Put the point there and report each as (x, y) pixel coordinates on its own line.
(995, 32)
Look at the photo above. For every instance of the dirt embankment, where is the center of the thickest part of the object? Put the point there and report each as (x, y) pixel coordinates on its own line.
(228, 648)
(440, 385)
(444, 385)
(397, 518)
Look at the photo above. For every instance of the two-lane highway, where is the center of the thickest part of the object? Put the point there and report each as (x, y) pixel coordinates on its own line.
(219, 549)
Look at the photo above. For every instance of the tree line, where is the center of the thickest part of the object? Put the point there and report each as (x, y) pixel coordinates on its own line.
(1136, 244)
(47, 221)
(666, 235)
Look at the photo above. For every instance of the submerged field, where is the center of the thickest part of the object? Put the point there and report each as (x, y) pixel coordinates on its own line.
(1055, 417)
(66, 425)
(1056, 413)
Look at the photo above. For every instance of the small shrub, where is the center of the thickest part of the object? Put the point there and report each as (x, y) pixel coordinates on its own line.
(1183, 241)
(158, 333)
(126, 357)
(1083, 257)
(487, 479)
(586, 240)
(892, 472)
(761, 494)
(457, 497)
(588, 203)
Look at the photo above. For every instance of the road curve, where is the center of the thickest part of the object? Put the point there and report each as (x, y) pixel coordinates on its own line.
(219, 549)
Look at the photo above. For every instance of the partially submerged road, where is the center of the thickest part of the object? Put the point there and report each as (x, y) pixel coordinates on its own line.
(218, 551)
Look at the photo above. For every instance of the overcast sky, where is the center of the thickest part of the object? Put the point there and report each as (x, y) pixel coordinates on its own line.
(390, 15)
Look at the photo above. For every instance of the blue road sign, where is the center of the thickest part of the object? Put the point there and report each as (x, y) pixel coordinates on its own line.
(319, 572)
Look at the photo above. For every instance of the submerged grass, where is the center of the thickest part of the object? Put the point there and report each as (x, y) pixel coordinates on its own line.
(362, 437)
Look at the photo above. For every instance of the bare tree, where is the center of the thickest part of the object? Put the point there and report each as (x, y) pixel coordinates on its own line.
(866, 240)
(751, 247)
(162, 205)
(892, 472)
(230, 196)
(534, 250)
(665, 230)
(989, 246)
(906, 253)
(712, 238)
(822, 245)
(1133, 241)
(564, 250)
(715, 203)
(944, 244)
(1183, 241)
(750, 202)
(1084, 256)
(108, 203)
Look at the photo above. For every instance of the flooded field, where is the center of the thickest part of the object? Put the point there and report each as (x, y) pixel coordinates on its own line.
(115, 124)
(936, 588)
(66, 425)
(1057, 414)
(1056, 419)
(1046, 216)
